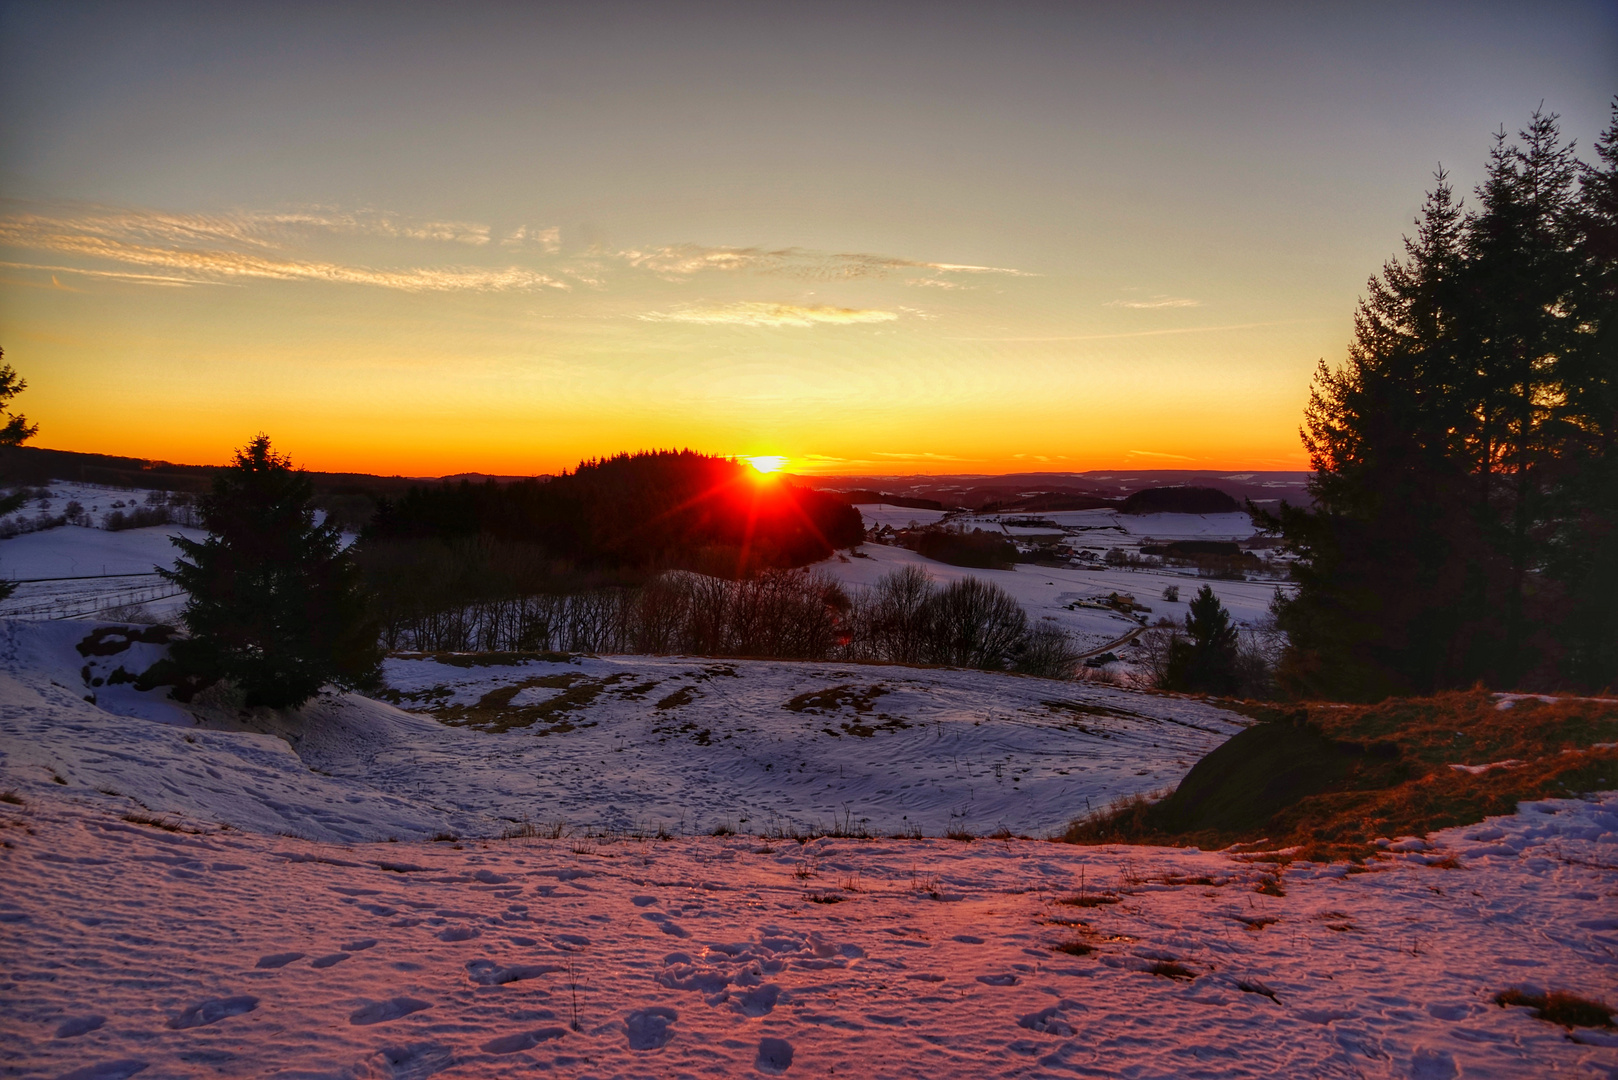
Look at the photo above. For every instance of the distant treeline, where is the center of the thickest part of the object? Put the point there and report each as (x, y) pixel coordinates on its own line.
(647, 511)
(790, 614)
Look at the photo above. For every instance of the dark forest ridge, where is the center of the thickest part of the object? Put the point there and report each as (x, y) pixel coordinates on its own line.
(36, 465)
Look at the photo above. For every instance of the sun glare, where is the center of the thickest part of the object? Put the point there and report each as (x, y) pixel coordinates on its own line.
(766, 463)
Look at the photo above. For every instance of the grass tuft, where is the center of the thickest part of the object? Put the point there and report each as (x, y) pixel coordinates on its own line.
(1560, 1007)
(1172, 969)
(12, 797)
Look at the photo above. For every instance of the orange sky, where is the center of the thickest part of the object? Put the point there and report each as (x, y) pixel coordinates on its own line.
(502, 239)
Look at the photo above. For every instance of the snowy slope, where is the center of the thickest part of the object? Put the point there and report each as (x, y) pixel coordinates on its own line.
(620, 743)
(172, 954)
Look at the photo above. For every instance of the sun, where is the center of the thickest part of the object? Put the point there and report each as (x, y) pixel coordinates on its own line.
(766, 463)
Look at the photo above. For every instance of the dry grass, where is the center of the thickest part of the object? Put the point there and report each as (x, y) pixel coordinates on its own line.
(1559, 1007)
(12, 797)
(1074, 947)
(1337, 777)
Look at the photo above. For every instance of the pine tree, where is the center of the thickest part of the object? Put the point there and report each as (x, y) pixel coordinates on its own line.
(1465, 485)
(275, 602)
(1580, 546)
(15, 431)
(1385, 593)
(1206, 659)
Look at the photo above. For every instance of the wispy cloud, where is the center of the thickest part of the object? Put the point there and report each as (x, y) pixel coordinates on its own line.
(200, 249)
(424, 255)
(922, 455)
(547, 240)
(1158, 454)
(1158, 301)
(683, 260)
(758, 313)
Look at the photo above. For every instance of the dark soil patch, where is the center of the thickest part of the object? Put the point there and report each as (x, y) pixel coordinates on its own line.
(683, 696)
(495, 713)
(1558, 1007)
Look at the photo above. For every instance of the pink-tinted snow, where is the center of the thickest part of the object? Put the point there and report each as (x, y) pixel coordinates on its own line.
(132, 949)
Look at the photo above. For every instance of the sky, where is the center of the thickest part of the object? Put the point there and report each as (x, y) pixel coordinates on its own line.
(873, 238)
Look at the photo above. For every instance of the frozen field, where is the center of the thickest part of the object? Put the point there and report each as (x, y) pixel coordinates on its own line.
(95, 569)
(611, 743)
(135, 950)
(1050, 592)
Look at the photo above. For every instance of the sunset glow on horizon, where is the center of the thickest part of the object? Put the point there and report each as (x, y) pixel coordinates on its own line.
(851, 242)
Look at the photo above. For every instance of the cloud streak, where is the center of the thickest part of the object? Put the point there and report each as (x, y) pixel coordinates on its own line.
(201, 249)
(758, 313)
(680, 261)
(321, 244)
(1155, 302)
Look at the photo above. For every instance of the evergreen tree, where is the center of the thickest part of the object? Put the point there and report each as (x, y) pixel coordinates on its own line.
(1463, 477)
(1205, 660)
(276, 606)
(14, 431)
(1580, 548)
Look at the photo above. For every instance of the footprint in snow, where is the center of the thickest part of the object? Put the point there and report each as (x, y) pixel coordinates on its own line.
(212, 1011)
(643, 900)
(380, 1012)
(648, 1029)
(328, 960)
(78, 1025)
(107, 1070)
(968, 939)
(666, 924)
(458, 933)
(774, 1055)
(279, 959)
(998, 980)
(526, 1040)
(758, 1001)
(489, 973)
(358, 946)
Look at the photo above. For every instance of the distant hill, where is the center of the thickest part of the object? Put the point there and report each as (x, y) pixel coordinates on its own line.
(1180, 500)
(861, 496)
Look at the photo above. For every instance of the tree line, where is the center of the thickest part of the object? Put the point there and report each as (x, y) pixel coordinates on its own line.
(1465, 526)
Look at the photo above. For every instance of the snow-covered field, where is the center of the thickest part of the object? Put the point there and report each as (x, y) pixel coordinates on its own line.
(610, 743)
(218, 898)
(1057, 593)
(96, 570)
(131, 949)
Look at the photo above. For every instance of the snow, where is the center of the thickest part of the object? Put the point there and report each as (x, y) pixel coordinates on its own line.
(898, 517)
(1049, 592)
(218, 897)
(619, 743)
(227, 953)
(72, 551)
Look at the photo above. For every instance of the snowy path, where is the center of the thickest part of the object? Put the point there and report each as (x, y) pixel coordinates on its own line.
(130, 949)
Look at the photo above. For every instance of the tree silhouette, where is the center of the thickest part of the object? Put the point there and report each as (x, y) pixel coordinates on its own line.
(1465, 476)
(15, 431)
(275, 602)
(1206, 659)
